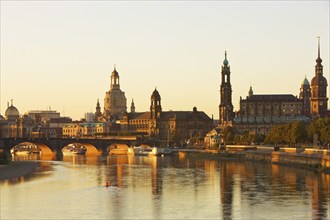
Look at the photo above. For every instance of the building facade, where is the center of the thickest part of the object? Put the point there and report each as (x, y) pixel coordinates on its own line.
(84, 129)
(167, 126)
(260, 113)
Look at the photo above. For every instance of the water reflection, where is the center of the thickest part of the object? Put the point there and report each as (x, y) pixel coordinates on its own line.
(170, 188)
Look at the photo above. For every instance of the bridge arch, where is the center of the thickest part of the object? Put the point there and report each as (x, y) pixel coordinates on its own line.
(43, 149)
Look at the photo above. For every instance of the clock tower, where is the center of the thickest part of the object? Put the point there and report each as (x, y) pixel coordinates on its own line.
(319, 99)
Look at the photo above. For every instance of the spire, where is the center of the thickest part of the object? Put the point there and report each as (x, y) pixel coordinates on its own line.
(250, 91)
(318, 39)
(132, 106)
(318, 60)
(225, 62)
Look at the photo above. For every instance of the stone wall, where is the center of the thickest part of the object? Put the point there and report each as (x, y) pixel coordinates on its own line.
(319, 161)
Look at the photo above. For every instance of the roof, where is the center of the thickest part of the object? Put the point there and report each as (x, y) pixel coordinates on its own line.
(11, 111)
(272, 98)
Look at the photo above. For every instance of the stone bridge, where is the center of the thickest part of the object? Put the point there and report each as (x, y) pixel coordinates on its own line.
(55, 145)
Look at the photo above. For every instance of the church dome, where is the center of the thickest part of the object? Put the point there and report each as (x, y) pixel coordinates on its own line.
(155, 94)
(320, 80)
(12, 111)
(305, 82)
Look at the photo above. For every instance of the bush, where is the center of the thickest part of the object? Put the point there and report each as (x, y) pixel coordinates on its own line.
(3, 158)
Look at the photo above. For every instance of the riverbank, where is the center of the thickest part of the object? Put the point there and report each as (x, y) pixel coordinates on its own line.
(315, 161)
(16, 169)
(319, 162)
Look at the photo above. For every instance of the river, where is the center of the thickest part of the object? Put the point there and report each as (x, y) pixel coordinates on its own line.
(169, 187)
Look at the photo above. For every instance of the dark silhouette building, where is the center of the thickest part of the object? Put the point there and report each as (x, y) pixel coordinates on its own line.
(226, 113)
(305, 96)
(319, 99)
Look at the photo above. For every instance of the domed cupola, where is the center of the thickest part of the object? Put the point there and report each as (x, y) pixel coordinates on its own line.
(114, 72)
(225, 61)
(305, 82)
(11, 113)
(155, 107)
(155, 94)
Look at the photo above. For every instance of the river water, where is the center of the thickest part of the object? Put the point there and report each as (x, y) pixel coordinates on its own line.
(169, 187)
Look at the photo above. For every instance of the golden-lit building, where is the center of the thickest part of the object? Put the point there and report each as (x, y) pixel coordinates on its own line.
(83, 129)
(114, 101)
(167, 126)
(260, 113)
(319, 99)
(10, 124)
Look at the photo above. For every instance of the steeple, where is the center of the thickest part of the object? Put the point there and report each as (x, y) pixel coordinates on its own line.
(226, 114)
(132, 107)
(155, 107)
(225, 61)
(318, 60)
(98, 107)
(319, 99)
(114, 79)
(250, 91)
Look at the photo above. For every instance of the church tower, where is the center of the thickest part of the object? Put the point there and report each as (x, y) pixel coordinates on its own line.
(319, 99)
(132, 107)
(155, 107)
(304, 96)
(226, 113)
(98, 114)
(115, 100)
(250, 92)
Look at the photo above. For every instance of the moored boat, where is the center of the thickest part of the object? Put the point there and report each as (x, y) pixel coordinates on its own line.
(139, 151)
(74, 149)
(25, 149)
(160, 151)
(149, 151)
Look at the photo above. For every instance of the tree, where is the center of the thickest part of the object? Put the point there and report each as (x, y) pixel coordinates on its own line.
(315, 127)
(297, 132)
(228, 134)
(325, 134)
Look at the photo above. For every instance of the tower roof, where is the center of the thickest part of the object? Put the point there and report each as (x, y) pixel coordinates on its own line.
(318, 60)
(11, 110)
(114, 72)
(225, 61)
(305, 82)
(155, 94)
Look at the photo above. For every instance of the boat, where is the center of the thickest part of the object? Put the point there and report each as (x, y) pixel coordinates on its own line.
(160, 151)
(149, 151)
(25, 149)
(139, 151)
(74, 149)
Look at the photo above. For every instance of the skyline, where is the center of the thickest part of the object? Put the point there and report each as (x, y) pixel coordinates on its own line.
(177, 47)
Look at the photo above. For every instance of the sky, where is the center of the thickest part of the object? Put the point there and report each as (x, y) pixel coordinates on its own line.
(59, 55)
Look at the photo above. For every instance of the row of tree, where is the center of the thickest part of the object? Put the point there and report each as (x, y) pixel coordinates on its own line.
(293, 134)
